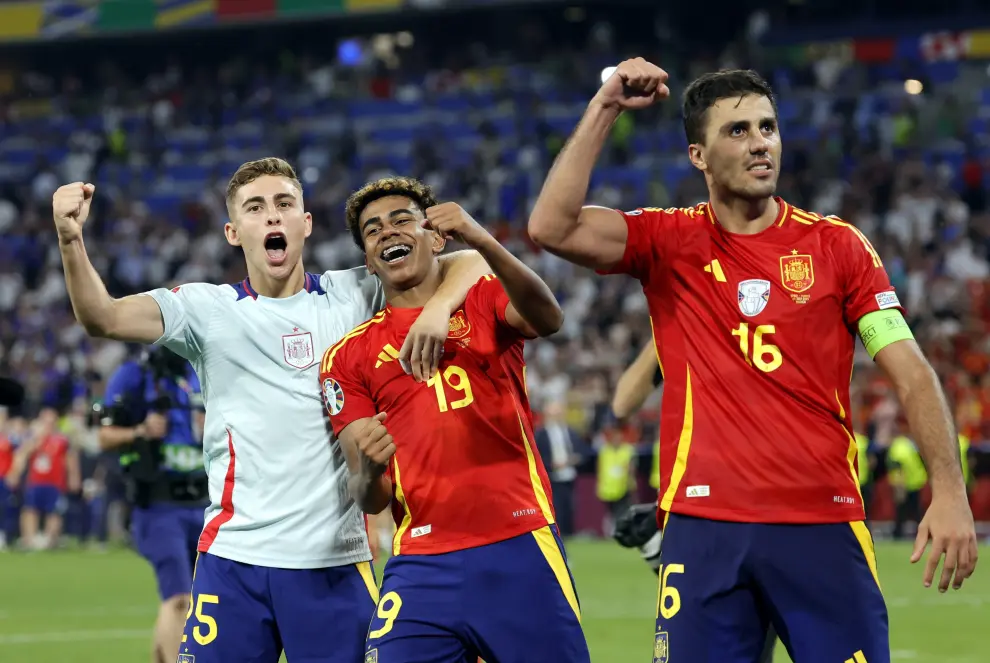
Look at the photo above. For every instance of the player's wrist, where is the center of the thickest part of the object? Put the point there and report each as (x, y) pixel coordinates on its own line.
(604, 108)
(949, 488)
(70, 241)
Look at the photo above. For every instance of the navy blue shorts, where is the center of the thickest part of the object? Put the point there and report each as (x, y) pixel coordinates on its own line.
(507, 602)
(722, 584)
(166, 536)
(242, 612)
(45, 500)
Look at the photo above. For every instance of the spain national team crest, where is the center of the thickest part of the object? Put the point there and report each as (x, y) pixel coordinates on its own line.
(459, 328)
(753, 294)
(797, 274)
(660, 648)
(333, 396)
(298, 349)
(371, 656)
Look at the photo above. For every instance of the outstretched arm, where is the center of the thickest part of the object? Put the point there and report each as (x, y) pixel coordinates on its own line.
(422, 349)
(136, 318)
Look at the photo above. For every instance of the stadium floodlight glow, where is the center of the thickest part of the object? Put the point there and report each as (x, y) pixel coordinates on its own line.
(607, 72)
(912, 86)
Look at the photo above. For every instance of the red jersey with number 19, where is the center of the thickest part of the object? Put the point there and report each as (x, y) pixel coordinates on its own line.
(755, 336)
(465, 472)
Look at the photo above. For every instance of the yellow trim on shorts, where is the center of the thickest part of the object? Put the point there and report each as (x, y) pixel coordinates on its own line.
(862, 534)
(548, 545)
(364, 568)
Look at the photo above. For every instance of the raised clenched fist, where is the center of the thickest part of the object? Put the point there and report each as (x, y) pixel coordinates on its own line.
(634, 84)
(70, 209)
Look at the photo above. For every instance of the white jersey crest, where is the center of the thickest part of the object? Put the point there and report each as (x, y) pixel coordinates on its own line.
(278, 480)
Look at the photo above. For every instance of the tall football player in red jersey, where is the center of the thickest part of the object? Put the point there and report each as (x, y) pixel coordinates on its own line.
(756, 306)
(478, 566)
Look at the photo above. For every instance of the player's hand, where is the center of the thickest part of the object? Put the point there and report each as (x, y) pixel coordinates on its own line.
(422, 350)
(635, 84)
(375, 446)
(948, 523)
(451, 221)
(636, 526)
(70, 209)
(155, 426)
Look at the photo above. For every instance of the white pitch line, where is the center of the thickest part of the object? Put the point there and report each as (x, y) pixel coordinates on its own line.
(73, 636)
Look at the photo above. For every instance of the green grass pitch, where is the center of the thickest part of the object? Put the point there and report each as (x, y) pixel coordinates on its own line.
(78, 606)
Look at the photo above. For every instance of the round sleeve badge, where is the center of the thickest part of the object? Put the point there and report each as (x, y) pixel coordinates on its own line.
(333, 396)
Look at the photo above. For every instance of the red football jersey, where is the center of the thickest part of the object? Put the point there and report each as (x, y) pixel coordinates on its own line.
(47, 464)
(755, 336)
(466, 471)
(6, 455)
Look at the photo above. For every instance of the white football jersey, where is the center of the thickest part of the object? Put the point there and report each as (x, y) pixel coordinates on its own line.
(278, 480)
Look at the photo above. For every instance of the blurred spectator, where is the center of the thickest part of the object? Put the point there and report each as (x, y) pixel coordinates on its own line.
(562, 452)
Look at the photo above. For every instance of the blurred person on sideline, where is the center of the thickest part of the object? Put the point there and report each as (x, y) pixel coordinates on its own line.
(562, 451)
(49, 467)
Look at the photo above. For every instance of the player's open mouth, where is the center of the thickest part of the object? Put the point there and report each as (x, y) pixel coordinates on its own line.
(275, 246)
(396, 253)
(761, 167)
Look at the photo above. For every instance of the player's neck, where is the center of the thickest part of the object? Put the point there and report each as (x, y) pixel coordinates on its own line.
(267, 286)
(743, 216)
(417, 295)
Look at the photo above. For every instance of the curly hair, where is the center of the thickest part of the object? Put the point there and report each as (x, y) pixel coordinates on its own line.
(707, 89)
(419, 193)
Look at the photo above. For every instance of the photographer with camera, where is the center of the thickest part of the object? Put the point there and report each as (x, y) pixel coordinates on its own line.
(153, 418)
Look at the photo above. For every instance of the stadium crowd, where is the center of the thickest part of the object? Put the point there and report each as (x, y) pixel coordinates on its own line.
(903, 162)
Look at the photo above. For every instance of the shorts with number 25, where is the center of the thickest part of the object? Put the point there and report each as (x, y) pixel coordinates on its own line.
(507, 602)
(242, 612)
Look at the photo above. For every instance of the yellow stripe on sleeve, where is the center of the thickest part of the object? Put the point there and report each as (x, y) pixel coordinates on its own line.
(331, 352)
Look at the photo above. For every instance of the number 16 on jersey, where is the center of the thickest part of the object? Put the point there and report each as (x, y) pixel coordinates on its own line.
(764, 356)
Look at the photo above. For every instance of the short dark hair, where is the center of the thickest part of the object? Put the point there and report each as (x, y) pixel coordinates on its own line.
(419, 193)
(705, 90)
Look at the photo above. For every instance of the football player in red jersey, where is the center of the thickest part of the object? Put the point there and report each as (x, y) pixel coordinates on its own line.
(756, 306)
(52, 471)
(478, 566)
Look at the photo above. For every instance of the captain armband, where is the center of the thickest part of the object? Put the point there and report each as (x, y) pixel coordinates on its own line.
(881, 328)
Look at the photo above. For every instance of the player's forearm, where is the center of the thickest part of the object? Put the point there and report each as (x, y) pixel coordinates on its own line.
(460, 271)
(930, 420)
(91, 303)
(636, 383)
(111, 437)
(372, 494)
(558, 208)
(529, 294)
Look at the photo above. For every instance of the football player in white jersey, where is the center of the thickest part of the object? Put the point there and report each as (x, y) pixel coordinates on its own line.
(283, 557)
